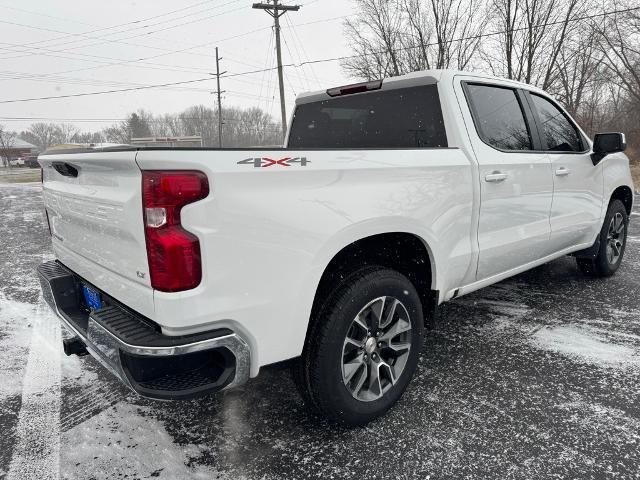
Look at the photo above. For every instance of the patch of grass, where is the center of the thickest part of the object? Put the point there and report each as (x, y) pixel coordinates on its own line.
(19, 175)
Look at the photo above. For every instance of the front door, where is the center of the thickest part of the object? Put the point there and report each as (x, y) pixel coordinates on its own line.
(577, 183)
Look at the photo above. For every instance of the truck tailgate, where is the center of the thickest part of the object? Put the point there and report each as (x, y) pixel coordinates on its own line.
(94, 205)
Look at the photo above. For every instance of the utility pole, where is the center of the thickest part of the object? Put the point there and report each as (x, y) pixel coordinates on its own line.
(218, 73)
(276, 11)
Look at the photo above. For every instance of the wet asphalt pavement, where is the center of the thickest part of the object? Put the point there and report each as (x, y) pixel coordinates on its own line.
(535, 377)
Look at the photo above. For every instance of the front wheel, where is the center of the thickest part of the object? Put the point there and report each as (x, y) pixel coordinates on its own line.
(363, 346)
(613, 240)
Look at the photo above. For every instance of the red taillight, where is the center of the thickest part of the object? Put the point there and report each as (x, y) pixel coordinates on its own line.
(173, 252)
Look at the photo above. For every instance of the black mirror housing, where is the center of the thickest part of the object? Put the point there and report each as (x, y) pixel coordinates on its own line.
(606, 143)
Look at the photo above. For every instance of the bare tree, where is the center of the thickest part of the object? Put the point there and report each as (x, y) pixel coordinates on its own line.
(88, 137)
(375, 38)
(530, 36)
(579, 72)
(394, 37)
(620, 44)
(241, 127)
(7, 140)
(42, 135)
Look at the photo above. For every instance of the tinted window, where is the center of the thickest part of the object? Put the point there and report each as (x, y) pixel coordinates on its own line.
(402, 118)
(558, 132)
(498, 117)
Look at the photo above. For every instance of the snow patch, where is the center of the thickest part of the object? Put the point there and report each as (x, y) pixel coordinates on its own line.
(16, 322)
(586, 345)
(126, 439)
(37, 450)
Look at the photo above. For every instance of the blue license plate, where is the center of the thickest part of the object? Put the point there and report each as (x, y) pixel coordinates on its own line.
(94, 302)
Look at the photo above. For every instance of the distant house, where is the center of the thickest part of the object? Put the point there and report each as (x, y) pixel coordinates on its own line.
(19, 149)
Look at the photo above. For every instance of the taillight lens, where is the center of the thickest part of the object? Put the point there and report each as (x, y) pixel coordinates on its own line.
(172, 251)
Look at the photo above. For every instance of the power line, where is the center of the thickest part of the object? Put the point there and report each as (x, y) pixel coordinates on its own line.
(145, 87)
(110, 40)
(317, 61)
(473, 37)
(299, 43)
(140, 62)
(132, 22)
(84, 34)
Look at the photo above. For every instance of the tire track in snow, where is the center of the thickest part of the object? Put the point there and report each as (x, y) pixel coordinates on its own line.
(37, 451)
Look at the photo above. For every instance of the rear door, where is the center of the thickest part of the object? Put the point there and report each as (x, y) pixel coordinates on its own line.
(516, 184)
(578, 184)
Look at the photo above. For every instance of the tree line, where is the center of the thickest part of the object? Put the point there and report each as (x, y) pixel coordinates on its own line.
(589, 61)
(242, 127)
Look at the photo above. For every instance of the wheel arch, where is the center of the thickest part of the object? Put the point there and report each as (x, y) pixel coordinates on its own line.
(405, 252)
(625, 195)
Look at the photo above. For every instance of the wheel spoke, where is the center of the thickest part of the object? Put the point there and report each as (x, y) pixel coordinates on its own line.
(396, 329)
(376, 310)
(391, 312)
(354, 342)
(358, 321)
(389, 368)
(399, 348)
(375, 386)
(349, 369)
(358, 386)
(616, 248)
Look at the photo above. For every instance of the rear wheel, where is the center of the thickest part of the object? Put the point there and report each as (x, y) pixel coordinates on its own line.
(613, 240)
(363, 346)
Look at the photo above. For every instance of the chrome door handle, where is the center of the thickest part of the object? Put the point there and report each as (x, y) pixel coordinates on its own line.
(496, 177)
(562, 171)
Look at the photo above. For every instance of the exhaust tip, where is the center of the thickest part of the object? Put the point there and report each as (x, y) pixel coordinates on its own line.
(74, 346)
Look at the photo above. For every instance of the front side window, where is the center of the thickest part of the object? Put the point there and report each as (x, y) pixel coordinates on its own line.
(558, 132)
(498, 117)
(400, 118)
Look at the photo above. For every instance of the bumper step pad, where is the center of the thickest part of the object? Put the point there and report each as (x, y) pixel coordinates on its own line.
(136, 330)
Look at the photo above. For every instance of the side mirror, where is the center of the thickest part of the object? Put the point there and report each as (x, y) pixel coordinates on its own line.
(606, 143)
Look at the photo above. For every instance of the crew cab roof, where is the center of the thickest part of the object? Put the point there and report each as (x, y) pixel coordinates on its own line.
(423, 77)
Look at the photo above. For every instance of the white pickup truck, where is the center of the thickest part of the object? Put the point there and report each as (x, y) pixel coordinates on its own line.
(185, 270)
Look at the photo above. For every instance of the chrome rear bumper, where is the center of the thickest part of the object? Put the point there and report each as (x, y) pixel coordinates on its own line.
(135, 351)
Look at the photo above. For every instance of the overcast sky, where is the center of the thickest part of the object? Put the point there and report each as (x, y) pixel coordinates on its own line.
(50, 48)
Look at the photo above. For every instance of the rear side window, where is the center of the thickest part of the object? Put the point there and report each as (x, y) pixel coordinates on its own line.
(401, 118)
(558, 132)
(498, 117)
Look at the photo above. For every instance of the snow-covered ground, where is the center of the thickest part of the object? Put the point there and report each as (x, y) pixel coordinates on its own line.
(536, 377)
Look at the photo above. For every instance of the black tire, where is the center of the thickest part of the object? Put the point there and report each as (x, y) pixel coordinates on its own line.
(602, 265)
(319, 371)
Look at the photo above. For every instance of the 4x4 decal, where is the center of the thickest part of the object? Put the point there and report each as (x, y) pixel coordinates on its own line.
(263, 162)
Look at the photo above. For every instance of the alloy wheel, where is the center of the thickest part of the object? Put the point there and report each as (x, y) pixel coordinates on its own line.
(615, 238)
(376, 348)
